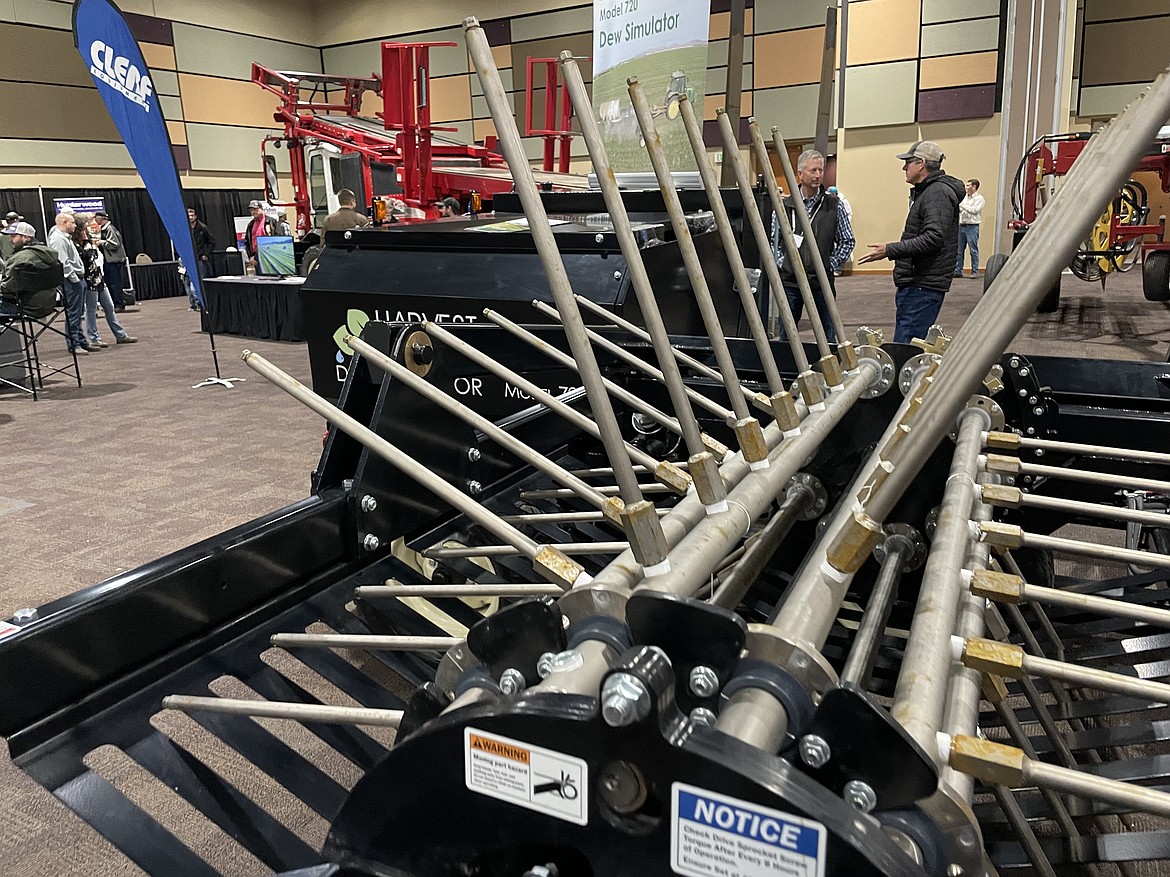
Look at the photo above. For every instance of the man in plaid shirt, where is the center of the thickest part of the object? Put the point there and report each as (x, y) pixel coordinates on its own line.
(831, 228)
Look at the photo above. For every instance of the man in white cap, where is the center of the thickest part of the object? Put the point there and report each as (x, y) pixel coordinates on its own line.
(924, 258)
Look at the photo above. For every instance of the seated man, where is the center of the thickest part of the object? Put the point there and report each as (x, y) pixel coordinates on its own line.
(32, 277)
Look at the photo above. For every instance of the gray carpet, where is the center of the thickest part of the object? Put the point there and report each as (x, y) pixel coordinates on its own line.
(136, 464)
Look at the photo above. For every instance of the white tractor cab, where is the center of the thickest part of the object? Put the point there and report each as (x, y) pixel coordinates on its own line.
(324, 173)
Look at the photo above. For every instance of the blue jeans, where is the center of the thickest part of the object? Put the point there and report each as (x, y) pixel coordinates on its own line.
(968, 237)
(115, 273)
(74, 311)
(91, 301)
(796, 302)
(916, 310)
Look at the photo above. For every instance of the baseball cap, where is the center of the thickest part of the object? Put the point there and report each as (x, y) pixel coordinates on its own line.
(927, 150)
(12, 216)
(252, 205)
(102, 214)
(21, 228)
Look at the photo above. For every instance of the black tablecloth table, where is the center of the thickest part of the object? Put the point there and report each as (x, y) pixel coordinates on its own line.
(157, 280)
(254, 307)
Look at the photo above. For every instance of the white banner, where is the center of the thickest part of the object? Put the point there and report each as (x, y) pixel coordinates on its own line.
(664, 44)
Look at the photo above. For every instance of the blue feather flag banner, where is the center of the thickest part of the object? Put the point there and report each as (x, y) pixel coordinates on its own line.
(115, 62)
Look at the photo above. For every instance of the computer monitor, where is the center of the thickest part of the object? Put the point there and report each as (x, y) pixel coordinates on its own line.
(274, 256)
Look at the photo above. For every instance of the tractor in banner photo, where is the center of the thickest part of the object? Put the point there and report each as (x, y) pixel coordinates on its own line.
(1119, 238)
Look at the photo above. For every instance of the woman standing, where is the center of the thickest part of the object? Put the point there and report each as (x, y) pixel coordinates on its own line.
(95, 287)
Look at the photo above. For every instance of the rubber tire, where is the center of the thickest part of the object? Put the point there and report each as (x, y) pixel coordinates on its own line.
(1156, 276)
(1051, 300)
(992, 268)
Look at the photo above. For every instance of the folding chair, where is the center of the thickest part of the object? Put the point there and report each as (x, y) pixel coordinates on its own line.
(29, 329)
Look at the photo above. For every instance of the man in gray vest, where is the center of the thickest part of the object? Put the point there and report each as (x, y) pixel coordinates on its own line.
(833, 235)
(114, 253)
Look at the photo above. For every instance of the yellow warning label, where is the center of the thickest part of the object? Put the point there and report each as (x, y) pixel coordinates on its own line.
(495, 747)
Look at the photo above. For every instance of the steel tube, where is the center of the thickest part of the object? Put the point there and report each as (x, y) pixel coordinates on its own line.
(372, 642)
(569, 413)
(638, 363)
(731, 157)
(1031, 443)
(297, 712)
(1099, 605)
(1092, 509)
(399, 460)
(560, 517)
(501, 437)
(686, 246)
(920, 696)
(1090, 677)
(503, 115)
(439, 552)
(807, 230)
(1092, 182)
(1093, 787)
(791, 251)
(639, 279)
(436, 590)
(604, 490)
(1023, 831)
(751, 310)
(1106, 479)
(1089, 549)
(867, 640)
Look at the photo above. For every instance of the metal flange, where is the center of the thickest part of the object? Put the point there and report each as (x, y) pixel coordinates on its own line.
(915, 366)
(994, 411)
(912, 559)
(419, 353)
(885, 366)
(807, 665)
(820, 496)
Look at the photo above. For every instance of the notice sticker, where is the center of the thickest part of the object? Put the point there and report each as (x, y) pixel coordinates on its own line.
(712, 835)
(529, 776)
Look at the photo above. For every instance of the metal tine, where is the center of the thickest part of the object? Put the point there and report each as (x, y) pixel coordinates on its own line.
(562, 517)
(367, 592)
(297, 712)
(758, 399)
(807, 229)
(1005, 496)
(618, 391)
(788, 237)
(562, 493)
(731, 158)
(1011, 441)
(639, 279)
(667, 473)
(1023, 830)
(1004, 561)
(546, 561)
(747, 428)
(497, 434)
(370, 641)
(439, 552)
(1006, 465)
(640, 523)
(751, 310)
(1012, 536)
(863, 653)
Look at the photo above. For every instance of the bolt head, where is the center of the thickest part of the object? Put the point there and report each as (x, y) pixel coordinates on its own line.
(703, 717)
(512, 681)
(474, 488)
(624, 700)
(617, 275)
(369, 503)
(704, 682)
(474, 455)
(24, 616)
(371, 542)
(599, 238)
(1038, 411)
(814, 750)
(860, 795)
(348, 235)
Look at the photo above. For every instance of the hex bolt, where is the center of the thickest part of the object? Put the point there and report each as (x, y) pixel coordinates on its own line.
(703, 717)
(25, 615)
(814, 750)
(1039, 452)
(369, 503)
(860, 795)
(348, 235)
(617, 275)
(544, 665)
(512, 681)
(704, 681)
(474, 455)
(624, 700)
(1024, 372)
(1037, 410)
(474, 488)
(423, 354)
(558, 662)
(371, 542)
(1023, 392)
(599, 238)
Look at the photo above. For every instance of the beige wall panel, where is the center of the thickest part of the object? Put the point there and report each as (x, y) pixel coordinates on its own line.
(482, 128)
(358, 59)
(47, 13)
(1098, 10)
(450, 99)
(953, 10)
(507, 76)
(158, 57)
(882, 94)
(33, 153)
(291, 20)
(172, 108)
(552, 24)
(958, 37)
(25, 50)
(167, 82)
(883, 30)
(793, 110)
(226, 101)
(713, 102)
(364, 18)
(1107, 100)
(220, 148)
(371, 104)
(789, 58)
(721, 24)
(1124, 51)
(55, 112)
(871, 177)
(177, 132)
(773, 15)
(219, 53)
(953, 70)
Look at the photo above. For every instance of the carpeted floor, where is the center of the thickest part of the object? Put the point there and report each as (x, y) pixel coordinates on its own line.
(136, 464)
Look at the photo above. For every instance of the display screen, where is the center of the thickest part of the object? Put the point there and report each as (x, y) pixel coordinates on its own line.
(274, 255)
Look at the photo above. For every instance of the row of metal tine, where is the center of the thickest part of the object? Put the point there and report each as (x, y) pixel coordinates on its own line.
(724, 491)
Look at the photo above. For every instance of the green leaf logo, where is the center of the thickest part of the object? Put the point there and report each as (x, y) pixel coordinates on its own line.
(355, 321)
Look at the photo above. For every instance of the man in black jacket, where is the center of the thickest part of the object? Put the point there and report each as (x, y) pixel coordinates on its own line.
(204, 242)
(924, 258)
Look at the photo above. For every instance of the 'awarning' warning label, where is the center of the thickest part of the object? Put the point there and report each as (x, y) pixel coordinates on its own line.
(715, 836)
(529, 776)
